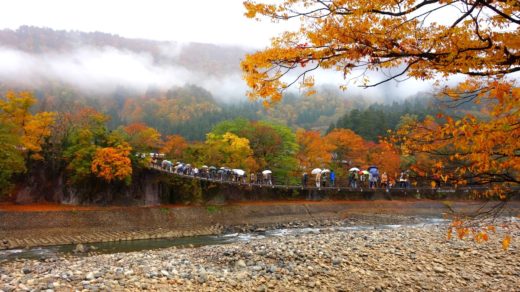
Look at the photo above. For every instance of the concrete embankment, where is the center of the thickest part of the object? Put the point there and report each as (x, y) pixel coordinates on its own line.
(40, 228)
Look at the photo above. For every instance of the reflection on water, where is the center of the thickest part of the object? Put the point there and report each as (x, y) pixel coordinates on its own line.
(192, 241)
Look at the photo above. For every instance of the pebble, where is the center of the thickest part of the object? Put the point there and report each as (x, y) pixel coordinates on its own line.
(397, 259)
(89, 276)
(439, 269)
(241, 264)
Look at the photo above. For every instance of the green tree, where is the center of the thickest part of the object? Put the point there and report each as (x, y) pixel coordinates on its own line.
(274, 146)
(11, 158)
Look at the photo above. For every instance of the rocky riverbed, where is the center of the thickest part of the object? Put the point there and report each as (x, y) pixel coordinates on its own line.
(404, 258)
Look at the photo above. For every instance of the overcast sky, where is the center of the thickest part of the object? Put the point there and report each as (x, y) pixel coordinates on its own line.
(208, 21)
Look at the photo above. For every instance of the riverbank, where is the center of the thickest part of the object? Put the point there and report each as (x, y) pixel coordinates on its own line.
(28, 226)
(399, 259)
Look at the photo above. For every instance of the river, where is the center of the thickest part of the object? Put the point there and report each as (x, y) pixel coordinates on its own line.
(194, 241)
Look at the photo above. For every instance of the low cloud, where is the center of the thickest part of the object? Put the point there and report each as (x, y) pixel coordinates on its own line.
(102, 70)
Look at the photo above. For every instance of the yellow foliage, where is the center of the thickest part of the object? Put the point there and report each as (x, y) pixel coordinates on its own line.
(33, 129)
(378, 34)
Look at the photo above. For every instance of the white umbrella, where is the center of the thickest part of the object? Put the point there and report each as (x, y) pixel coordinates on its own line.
(316, 171)
(239, 172)
(354, 169)
(325, 171)
(204, 166)
(266, 171)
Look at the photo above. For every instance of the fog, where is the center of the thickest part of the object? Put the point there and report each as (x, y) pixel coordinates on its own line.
(103, 70)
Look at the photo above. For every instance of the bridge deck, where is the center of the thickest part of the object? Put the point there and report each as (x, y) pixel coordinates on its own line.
(326, 188)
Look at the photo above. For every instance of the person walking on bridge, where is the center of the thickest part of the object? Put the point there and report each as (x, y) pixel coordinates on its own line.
(305, 178)
(384, 180)
(332, 178)
(318, 179)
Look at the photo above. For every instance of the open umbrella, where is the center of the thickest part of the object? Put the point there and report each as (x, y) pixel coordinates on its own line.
(354, 169)
(223, 167)
(365, 172)
(267, 171)
(239, 172)
(204, 166)
(372, 166)
(316, 171)
(212, 167)
(325, 171)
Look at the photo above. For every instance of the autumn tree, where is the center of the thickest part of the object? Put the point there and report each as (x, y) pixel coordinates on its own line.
(315, 151)
(385, 156)
(476, 151)
(22, 135)
(421, 39)
(229, 150)
(142, 138)
(92, 152)
(174, 146)
(113, 163)
(349, 146)
(274, 146)
(32, 129)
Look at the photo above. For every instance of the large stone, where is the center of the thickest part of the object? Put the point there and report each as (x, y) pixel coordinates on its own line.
(80, 248)
(240, 264)
(89, 276)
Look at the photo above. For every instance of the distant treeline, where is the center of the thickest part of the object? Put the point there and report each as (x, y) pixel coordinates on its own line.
(374, 121)
(191, 111)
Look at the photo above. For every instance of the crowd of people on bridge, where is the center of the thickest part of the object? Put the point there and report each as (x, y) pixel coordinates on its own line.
(356, 178)
(213, 173)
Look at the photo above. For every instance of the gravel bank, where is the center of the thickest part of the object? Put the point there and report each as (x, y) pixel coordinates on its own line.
(400, 259)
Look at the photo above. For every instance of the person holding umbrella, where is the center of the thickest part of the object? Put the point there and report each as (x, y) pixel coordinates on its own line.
(315, 172)
(353, 177)
(324, 174)
(318, 179)
(267, 177)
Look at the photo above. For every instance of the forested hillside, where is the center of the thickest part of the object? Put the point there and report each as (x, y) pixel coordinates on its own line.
(207, 58)
(190, 106)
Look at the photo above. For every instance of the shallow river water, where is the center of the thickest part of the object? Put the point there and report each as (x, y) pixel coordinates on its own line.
(192, 241)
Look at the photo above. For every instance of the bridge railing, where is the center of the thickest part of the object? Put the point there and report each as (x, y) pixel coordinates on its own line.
(338, 187)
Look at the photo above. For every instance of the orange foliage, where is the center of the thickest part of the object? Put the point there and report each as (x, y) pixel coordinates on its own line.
(112, 163)
(471, 149)
(174, 146)
(315, 151)
(143, 138)
(482, 40)
(386, 157)
(349, 146)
